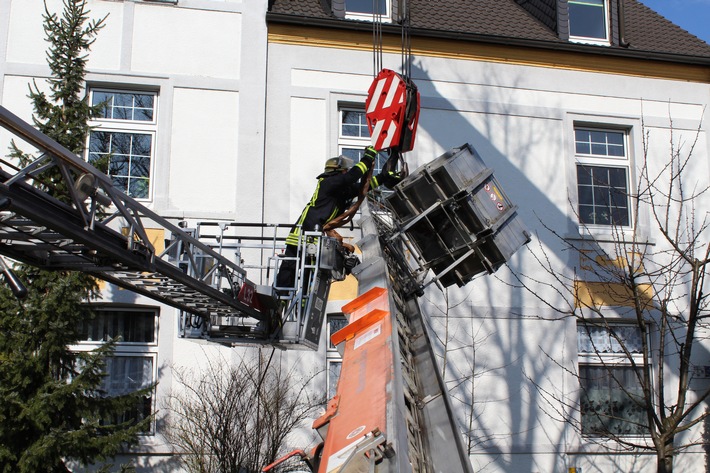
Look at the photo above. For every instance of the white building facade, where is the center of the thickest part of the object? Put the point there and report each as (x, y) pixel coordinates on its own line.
(241, 102)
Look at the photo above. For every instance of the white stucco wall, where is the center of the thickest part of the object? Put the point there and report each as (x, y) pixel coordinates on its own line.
(226, 152)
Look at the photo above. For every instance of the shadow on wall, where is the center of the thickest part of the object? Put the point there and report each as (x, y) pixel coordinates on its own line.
(483, 329)
(499, 346)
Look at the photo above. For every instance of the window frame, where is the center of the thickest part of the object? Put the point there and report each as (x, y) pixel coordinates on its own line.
(147, 350)
(122, 343)
(624, 162)
(606, 41)
(125, 126)
(332, 355)
(608, 362)
(365, 16)
(356, 143)
(153, 357)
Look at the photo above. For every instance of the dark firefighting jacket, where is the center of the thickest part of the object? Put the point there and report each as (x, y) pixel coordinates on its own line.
(333, 195)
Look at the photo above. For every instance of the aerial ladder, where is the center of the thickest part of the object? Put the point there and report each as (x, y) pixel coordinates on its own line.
(196, 267)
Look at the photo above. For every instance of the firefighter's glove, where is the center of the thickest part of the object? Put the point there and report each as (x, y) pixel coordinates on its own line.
(369, 157)
(391, 179)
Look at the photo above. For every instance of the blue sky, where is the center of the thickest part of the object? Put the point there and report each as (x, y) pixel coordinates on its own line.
(691, 15)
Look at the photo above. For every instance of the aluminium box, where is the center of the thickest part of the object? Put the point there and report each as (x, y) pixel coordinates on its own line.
(458, 217)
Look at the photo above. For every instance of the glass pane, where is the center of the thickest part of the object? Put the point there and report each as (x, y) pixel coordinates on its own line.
(587, 19)
(617, 178)
(611, 401)
(141, 145)
(120, 183)
(105, 98)
(616, 150)
(597, 136)
(354, 123)
(126, 374)
(120, 143)
(605, 192)
(618, 199)
(333, 376)
(600, 176)
(583, 148)
(620, 216)
(125, 105)
(586, 195)
(124, 325)
(140, 167)
(119, 165)
(592, 339)
(335, 323)
(139, 188)
(615, 138)
(582, 135)
(601, 196)
(586, 214)
(366, 6)
(353, 153)
(584, 175)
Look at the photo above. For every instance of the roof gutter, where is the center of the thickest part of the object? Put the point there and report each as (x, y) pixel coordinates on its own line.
(393, 29)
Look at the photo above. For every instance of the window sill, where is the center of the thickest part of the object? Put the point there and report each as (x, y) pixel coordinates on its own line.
(601, 445)
(607, 235)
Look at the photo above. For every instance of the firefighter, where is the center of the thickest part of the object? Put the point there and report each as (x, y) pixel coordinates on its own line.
(337, 186)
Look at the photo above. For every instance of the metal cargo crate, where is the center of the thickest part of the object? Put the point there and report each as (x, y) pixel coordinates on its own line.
(457, 216)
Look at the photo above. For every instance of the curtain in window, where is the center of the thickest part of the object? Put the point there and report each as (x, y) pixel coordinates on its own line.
(125, 374)
(599, 339)
(610, 401)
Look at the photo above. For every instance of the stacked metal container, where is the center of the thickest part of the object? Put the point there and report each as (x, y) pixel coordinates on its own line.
(457, 216)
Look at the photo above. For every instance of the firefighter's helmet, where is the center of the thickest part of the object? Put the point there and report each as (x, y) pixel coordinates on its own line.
(338, 163)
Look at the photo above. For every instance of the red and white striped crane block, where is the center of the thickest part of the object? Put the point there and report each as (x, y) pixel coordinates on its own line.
(392, 111)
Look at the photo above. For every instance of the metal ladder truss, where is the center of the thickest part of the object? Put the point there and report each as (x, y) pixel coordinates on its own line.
(95, 228)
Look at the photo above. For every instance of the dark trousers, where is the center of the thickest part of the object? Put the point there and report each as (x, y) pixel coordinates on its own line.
(287, 271)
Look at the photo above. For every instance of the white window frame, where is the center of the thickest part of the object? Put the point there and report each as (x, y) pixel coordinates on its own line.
(114, 125)
(357, 143)
(605, 161)
(131, 349)
(332, 356)
(153, 357)
(591, 40)
(363, 16)
(605, 361)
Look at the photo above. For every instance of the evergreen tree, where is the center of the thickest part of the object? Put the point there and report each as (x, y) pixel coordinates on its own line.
(52, 409)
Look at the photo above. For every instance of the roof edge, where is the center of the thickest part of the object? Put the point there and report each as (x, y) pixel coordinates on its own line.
(354, 25)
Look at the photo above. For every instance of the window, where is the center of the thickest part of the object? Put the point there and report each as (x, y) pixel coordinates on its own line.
(588, 20)
(132, 365)
(126, 374)
(611, 394)
(354, 136)
(134, 326)
(122, 142)
(333, 360)
(602, 176)
(364, 9)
